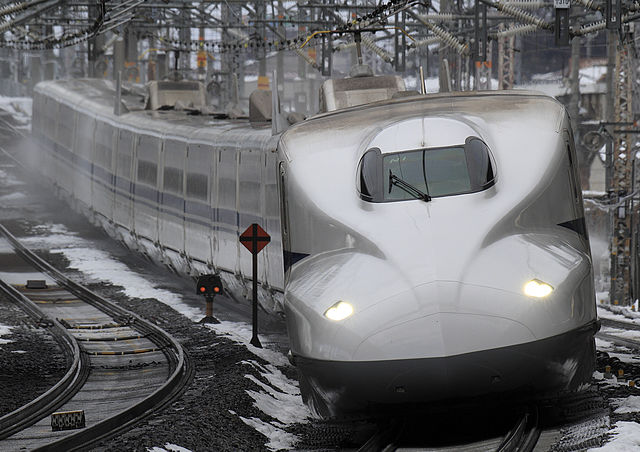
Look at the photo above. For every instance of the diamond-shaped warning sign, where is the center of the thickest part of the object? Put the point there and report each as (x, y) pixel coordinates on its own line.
(254, 238)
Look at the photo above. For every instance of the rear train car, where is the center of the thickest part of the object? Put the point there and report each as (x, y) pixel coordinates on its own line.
(179, 187)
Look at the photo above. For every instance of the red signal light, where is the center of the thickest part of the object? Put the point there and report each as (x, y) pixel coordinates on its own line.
(203, 289)
(216, 289)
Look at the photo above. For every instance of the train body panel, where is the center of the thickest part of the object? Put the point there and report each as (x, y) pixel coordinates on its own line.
(164, 182)
(441, 279)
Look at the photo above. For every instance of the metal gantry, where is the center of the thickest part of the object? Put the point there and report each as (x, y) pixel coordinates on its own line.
(623, 188)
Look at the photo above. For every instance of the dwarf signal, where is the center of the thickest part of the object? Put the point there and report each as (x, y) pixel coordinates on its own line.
(209, 286)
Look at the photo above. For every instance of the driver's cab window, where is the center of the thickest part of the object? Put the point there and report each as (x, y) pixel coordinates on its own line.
(436, 172)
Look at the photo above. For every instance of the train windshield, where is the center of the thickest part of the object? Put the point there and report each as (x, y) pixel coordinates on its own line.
(436, 172)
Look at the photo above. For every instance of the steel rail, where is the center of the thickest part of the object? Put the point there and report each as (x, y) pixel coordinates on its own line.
(634, 345)
(62, 391)
(619, 324)
(179, 361)
(524, 436)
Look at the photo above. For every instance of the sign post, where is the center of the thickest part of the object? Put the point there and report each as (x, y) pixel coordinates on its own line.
(254, 238)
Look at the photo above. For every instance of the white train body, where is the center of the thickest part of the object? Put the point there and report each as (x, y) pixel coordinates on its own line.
(436, 288)
(179, 187)
(418, 220)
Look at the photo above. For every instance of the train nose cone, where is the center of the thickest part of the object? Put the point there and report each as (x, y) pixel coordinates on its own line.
(440, 319)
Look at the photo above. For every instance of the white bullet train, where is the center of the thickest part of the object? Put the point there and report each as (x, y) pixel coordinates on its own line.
(441, 252)
(433, 247)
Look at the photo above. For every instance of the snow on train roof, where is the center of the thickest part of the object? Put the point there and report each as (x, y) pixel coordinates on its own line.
(96, 97)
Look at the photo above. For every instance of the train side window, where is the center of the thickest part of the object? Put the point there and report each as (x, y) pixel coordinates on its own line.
(147, 172)
(172, 180)
(197, 186)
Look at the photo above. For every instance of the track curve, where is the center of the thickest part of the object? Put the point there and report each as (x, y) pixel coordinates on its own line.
(113, 351)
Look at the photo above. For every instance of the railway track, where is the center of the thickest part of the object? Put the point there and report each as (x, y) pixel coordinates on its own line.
(616, 339)
(122, 368)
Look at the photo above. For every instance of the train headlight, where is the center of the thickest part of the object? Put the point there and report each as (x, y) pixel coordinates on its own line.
(538, 289)
(339, 311)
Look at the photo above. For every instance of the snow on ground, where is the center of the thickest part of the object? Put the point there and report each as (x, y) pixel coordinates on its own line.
(101, 265)
(278, 439)
(168, 448)
(629, 404)
(633, 335)
(4, 331)
(279, 399)
(622, 314)
(19, 107)
(601, 344)
(628, 357)
(625, 438)
(241, 333)
(13, 196)
(9, 180)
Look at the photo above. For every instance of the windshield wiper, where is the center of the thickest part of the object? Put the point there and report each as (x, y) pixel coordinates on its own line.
(406, 186)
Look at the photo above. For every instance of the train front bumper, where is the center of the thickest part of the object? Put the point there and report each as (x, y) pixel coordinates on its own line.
(541, 367)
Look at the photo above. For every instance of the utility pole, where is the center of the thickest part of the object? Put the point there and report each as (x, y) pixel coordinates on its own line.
(506, 59)
(621, 188)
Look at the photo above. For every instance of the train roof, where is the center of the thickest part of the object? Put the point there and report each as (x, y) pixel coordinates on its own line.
(484, 110)
(96, 97)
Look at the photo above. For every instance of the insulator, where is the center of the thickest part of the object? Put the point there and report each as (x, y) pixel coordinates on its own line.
(305, 56)
(526, 4)
(426, 42)
(4, 26)
(368, 42)
(589, 4)
(591, 28)
(448, 39)
(348, 45)
(515, 30)
(522, 16)
(444, 17)
(13, 8)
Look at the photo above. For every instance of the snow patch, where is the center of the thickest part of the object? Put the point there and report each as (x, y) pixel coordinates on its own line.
(629, 404)
(278, 438)
(100, 265)
(279, 399)
(4, 331)
(168, 448)
(241, 333)
(13, 196)
(625, 438)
